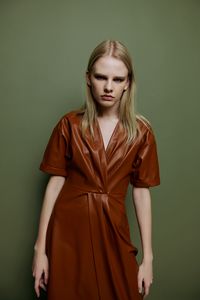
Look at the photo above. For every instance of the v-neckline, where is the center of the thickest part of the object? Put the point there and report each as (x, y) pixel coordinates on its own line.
(111, 137)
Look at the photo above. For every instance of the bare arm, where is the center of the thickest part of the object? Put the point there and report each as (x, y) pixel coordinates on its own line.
(52, 190)
(142, 203)
(40, 263)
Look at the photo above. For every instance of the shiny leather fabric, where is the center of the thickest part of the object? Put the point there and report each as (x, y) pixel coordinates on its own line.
(91, 255)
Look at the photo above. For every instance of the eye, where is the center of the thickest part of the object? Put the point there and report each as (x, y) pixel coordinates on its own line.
(99, 77)
(118, 79)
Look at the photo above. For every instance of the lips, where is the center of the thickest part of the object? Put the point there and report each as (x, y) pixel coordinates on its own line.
(107, 97)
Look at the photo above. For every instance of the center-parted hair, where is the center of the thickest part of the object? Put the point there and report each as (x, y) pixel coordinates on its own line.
(127, 112)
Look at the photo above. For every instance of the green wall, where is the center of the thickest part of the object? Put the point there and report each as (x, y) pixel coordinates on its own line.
(45, 46)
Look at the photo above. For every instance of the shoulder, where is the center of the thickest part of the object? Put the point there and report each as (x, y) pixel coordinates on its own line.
(143, 123)
(70, 118)
(145, 129)
(72, 115)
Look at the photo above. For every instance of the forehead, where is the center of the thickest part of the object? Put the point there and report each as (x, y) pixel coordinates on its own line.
(110, 65)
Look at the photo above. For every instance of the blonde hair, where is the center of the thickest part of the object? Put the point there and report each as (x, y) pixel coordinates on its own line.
(127, 113)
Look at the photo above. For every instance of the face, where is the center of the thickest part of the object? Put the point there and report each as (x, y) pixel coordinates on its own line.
(108, 80)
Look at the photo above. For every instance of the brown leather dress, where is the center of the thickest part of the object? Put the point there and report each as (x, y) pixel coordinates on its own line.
(91, 256)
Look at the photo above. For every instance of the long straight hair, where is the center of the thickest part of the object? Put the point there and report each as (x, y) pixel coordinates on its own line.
(127, 111)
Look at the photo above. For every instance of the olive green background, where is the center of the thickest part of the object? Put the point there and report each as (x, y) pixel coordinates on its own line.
(45, 46)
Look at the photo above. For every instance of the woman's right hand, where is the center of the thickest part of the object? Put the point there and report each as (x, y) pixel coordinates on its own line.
(40, 270)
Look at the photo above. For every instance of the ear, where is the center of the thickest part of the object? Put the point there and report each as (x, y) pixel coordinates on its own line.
(87, 77)
(127, 85)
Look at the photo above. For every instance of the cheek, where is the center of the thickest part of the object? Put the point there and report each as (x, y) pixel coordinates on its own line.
(120, 89)
(96, 87)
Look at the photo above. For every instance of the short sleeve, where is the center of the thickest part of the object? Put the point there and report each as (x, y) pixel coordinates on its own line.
(55, 157)
(145, 167)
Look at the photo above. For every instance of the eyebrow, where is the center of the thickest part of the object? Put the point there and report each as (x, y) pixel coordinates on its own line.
(118, 77)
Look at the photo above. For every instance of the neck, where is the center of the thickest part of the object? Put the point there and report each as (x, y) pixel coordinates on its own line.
(107, 113)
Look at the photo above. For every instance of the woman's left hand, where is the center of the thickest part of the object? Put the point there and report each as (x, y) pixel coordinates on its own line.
(145, 277)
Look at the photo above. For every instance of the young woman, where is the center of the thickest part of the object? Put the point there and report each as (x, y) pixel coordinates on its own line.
(83, 249)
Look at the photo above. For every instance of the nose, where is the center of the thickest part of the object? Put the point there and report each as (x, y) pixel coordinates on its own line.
(108, 86)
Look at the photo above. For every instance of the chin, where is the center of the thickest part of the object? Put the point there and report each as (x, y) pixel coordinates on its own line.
(106, 102)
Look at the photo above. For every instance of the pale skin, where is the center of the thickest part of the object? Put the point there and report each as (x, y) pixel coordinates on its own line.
(109, 76)
(40, 260)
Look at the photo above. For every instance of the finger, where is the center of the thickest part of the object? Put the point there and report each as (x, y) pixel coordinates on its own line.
(140, 284)
(42, 283)
(46, 276)
(43, 286)
(37, 290)
(146, 288)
